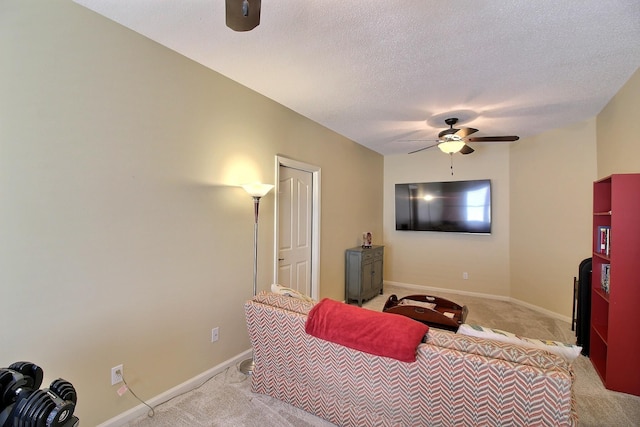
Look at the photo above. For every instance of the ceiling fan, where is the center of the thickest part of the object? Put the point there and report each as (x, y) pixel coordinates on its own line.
(455, 140)
(243, 15)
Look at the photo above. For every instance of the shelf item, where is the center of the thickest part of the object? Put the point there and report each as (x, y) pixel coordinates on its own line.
(604, 277)
(363, 273)
(615, 294)
(604, 239)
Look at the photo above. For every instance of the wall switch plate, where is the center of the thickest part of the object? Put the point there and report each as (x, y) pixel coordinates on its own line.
(116, 374)
(214, 334)
(465, 275)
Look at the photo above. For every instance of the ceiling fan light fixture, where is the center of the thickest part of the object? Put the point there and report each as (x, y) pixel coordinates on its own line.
(451, 146)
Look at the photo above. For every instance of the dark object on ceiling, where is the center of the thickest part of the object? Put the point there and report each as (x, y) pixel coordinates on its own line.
(243, 15)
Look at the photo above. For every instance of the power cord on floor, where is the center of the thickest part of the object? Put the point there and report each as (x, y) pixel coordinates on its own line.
(151, 413)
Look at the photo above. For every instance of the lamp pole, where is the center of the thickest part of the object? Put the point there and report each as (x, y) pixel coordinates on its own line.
(256, 206)
(256, 191)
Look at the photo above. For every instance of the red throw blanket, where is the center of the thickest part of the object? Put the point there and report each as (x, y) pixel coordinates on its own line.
(382, 334)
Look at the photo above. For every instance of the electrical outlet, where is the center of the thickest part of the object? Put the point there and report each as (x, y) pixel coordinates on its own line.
(214, 334)
(465, 275)
(116, 374)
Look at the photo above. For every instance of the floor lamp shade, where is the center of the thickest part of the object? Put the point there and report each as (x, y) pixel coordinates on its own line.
(256, 189)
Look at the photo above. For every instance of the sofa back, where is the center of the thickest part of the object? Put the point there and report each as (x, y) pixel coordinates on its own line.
(454, 381)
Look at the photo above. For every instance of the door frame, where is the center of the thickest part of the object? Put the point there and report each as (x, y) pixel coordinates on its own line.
(315, 219)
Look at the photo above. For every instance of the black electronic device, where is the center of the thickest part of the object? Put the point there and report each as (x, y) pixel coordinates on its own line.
(453, 206)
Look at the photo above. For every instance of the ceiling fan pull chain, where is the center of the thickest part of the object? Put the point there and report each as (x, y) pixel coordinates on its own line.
(451, 154)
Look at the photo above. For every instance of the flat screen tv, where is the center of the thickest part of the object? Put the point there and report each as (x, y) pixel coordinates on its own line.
(454, 206)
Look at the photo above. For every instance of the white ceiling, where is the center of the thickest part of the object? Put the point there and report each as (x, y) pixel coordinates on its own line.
(379, 72)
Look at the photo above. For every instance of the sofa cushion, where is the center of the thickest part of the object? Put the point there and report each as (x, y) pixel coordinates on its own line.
(496, 350)
(569, 352)
(381, 334)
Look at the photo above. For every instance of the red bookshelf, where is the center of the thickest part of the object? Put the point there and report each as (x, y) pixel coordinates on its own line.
(615, 307)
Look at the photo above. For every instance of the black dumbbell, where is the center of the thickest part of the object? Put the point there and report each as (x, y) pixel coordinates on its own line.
(30, 370)
(11, 383)
(64, 389)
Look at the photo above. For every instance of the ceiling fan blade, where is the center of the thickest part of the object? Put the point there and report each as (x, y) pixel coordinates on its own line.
(423, 148)
(464, 132)
(466, 150)
(447, 132)
(494, 138)
(243, 15)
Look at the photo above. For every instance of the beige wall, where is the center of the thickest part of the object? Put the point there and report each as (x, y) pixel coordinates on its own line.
(550, 210)
(431, 259)
(124, 236)
(618, 129)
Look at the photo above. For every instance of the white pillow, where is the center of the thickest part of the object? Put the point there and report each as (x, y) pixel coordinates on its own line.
(567, 351)
(281, 290)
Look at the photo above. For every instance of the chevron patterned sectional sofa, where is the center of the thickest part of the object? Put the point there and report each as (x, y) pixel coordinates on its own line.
(456, 380)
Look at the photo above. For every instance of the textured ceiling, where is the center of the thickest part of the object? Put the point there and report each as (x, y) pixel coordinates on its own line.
(379, 72)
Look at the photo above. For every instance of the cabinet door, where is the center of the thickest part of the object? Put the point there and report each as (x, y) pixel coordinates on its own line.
(376, 275)
(367, 277)
(354, 276)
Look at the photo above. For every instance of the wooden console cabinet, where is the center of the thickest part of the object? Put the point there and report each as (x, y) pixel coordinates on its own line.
(363, 273)
(615, 312)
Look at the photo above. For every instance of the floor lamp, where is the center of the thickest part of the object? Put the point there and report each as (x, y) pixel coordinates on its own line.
(256, 191)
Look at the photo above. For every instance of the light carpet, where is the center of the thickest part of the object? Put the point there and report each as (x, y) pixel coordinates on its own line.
(226, 400)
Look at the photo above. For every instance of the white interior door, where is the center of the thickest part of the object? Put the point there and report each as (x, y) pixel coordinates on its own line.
(297, 226)
(295, 196)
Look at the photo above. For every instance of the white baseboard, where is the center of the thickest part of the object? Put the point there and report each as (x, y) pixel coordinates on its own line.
(186, 386)
(446, 290)
(481, 295)
(542, 310)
